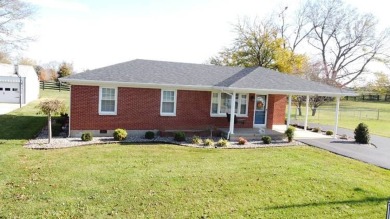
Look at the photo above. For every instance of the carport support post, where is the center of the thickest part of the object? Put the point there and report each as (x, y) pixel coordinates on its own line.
(289, 111)
(307, 112)
(232, 107)
(336, 123)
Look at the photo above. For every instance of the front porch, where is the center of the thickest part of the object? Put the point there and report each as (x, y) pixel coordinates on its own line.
(252, 133)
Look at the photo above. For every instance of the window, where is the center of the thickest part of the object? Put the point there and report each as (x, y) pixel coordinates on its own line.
(168, 103)
(1, 88)
(220, 104)
(14, 89)
(7, 89)
(107, 101)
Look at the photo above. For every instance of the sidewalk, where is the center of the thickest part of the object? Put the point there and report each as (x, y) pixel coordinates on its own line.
(378, 153)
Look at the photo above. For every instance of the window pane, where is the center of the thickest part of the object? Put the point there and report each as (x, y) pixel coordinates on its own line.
(168, 96)
(108, 94)
(225, 103)
(243, 104)
(108, 106)
(168, 107)
(214, 108)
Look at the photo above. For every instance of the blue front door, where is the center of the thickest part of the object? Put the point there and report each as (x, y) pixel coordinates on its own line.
(260, 110)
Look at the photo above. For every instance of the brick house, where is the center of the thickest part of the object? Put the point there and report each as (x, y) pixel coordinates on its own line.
(145, 95)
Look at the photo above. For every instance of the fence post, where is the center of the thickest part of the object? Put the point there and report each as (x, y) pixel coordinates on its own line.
(43, 85)
(60, 87)
(377, 118)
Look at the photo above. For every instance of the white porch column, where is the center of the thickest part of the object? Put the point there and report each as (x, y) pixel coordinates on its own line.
(232, 107)
(289, 111)
(336, 123)
(307, 112)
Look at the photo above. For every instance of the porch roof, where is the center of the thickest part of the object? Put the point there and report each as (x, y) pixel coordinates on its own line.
(148, 73)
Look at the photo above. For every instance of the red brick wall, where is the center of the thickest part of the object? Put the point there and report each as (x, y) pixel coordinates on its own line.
(276, 110)
(139, 109)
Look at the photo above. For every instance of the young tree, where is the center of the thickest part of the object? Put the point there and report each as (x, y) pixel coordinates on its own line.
(381, 85)
(65, 69)
(50, 108)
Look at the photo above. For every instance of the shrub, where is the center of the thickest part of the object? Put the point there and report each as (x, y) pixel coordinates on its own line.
(290, 133)
(242, 141)
(208, 142)
(149, 135)
(120, 134)
(180, 136)
(197, 140)
(223, 143)
(266, 139)
(316, 129)
(329, 132)
(362, 134)
(87, 136)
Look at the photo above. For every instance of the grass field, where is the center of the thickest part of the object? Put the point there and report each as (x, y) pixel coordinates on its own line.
(165, 181)
(375, 114)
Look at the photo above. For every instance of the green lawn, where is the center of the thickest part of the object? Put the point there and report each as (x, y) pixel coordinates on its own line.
(351, 114)
(166, 181)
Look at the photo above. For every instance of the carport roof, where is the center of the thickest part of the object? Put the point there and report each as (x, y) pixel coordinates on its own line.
(148, 73)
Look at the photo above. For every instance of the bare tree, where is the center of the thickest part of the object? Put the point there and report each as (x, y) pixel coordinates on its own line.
(13, 13)
(347, 40)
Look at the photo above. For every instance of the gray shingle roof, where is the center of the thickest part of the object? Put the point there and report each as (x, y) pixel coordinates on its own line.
(148, 72)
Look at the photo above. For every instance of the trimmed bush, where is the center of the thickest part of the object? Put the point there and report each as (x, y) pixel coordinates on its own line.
(208, 142)
(266, 139)
(223, 143)
(316, 129)
(180, 136)
(290, 133)
(362, 134)
(149, 135)
(197, 140)
(87, 136)
(120, 134)
(242, 141)
(329, 132)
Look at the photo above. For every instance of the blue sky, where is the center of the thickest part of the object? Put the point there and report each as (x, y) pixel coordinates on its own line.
(92, 34)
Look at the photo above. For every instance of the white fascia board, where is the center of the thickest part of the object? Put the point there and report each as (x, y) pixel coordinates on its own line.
(202, 88)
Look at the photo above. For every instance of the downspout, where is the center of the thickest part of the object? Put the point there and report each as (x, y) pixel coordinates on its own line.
(20, 85)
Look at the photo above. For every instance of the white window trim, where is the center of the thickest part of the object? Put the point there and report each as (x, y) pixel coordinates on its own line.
(174, 103)
(219, 105)
(116, 102)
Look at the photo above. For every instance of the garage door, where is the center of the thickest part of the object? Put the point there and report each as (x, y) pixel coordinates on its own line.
(9, 92)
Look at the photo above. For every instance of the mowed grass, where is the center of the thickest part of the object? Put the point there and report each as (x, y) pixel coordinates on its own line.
(351, 114)
(24, 123)
(165, 181)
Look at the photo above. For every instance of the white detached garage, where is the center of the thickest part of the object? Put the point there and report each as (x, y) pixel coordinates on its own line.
(18, 84)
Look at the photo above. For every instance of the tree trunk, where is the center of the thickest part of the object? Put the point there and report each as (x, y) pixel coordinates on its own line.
(299, 111)
(49, 127)
(313, 111)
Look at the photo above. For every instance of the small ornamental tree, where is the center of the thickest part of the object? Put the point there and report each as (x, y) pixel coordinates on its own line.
(50, 108)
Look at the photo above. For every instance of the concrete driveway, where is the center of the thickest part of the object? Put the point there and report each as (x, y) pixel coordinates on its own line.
(378, 153)
(8, 107)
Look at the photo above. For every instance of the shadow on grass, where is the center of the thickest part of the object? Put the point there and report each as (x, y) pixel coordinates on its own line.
(16, 127)
(316, 204)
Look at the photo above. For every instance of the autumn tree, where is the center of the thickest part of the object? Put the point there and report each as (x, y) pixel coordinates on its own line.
(65, 69)
(381, 84)
(257, 44)
(50, 108)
